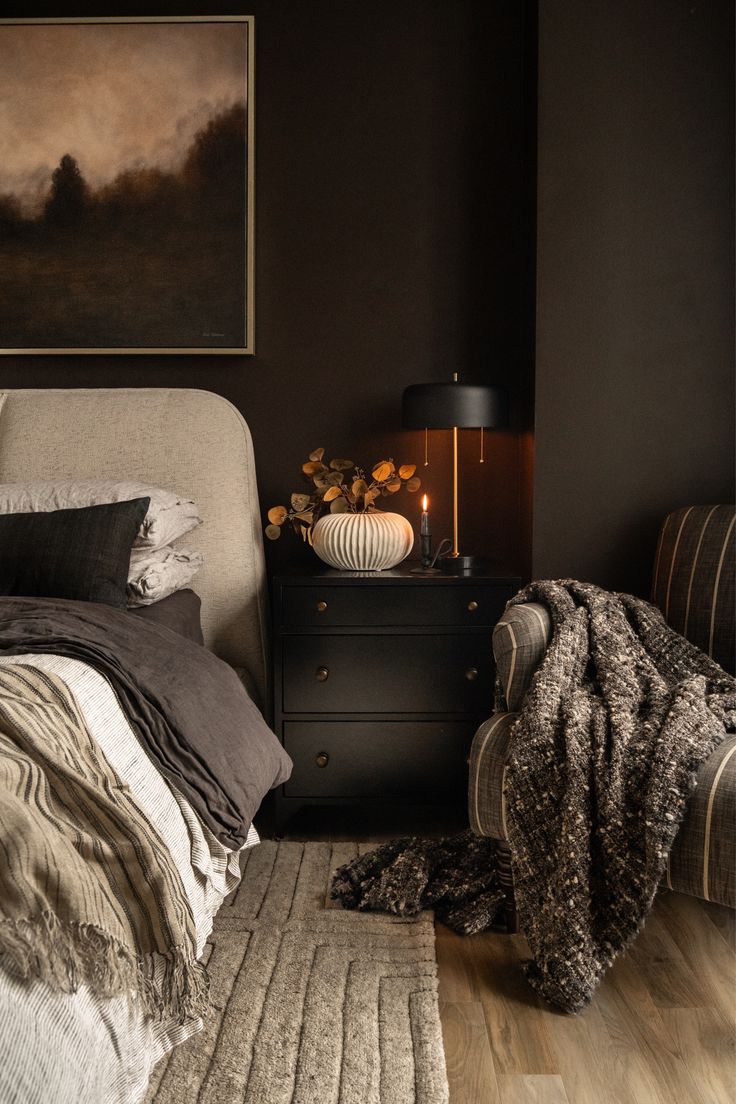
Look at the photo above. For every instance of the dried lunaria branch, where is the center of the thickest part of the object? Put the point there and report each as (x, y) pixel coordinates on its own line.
(338, 487)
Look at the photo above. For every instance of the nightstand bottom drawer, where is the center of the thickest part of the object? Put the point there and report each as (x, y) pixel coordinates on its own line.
(404, 760)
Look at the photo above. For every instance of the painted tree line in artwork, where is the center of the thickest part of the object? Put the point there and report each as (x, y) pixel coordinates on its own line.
(153, 258)
(210, 182)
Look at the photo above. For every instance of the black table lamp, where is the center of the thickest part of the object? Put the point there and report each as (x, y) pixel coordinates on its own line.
(454, 406)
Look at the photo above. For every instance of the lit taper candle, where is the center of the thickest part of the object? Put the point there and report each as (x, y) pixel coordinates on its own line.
(426, 540)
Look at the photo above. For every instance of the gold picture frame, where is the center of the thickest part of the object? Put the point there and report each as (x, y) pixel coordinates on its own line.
(127, 185)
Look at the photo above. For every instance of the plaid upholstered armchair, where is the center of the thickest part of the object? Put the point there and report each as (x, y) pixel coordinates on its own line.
(693, 585)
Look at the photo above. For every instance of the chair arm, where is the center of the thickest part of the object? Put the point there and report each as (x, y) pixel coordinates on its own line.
(487, 776)
(520, 641)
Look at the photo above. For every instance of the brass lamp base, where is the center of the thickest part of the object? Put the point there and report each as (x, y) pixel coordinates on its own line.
(458, 565)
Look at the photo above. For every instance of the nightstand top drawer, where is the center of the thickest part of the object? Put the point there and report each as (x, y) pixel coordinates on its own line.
(477, 603)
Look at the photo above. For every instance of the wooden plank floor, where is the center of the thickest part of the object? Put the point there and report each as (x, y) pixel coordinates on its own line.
(660, 1030)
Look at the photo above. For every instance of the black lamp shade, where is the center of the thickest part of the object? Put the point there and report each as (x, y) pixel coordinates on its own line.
(443, 405)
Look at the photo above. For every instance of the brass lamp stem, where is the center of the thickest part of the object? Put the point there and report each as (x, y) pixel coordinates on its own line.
(455, 542)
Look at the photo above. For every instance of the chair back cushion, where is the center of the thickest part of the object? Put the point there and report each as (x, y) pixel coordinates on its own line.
(694, 581)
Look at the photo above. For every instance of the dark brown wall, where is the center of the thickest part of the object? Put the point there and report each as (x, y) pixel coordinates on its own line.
(635, 337)
(394, 246)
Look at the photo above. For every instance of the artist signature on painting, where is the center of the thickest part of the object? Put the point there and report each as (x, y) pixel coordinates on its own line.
(210, 333)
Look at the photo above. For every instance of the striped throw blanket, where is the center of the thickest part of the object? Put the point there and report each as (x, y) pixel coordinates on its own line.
(88, 891)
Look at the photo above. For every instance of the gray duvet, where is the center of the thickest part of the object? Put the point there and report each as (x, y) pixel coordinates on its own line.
(188, 708)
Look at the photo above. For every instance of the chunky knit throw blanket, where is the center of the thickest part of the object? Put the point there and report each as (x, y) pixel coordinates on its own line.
(619, 716)
(456, 877)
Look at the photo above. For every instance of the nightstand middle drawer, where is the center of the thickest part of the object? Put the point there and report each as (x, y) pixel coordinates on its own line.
(439, 673)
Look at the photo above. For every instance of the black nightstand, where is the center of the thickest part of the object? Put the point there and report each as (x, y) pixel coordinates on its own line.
(380, 680)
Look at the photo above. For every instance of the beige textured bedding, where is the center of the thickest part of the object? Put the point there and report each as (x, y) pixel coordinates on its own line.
(100, 1050)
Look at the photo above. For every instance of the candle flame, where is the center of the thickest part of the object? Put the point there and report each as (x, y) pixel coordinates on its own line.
(425, 503)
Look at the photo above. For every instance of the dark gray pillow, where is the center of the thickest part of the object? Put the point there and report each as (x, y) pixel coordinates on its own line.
(81, 554)
(179, 612)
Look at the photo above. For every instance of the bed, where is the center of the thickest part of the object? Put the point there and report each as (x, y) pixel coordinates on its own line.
(84, 1042)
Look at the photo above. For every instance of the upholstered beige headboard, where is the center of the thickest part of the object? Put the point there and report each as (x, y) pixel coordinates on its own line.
(192, 442)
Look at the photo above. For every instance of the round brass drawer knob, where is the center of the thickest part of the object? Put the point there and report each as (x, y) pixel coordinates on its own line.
(471, 674)
(322, 674)
(472, 606)
(322, 759)
(321, 607)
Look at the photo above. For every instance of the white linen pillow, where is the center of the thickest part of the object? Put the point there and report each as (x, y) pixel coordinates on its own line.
(169, 515)
(156, 575)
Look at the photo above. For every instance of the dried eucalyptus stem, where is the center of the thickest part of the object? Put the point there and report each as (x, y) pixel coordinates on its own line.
(338, 487)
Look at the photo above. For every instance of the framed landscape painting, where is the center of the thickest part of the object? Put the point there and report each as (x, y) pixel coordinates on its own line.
(127, 185)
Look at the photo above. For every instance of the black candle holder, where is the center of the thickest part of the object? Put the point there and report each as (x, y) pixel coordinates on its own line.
(428, 560)
(426, 550)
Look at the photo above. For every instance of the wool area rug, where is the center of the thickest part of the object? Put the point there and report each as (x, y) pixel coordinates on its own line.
(311, 1004)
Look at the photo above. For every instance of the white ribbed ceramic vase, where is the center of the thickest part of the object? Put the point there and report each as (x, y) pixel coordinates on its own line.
(363, 542)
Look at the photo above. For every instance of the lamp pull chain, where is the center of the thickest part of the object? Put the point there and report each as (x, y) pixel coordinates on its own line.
(426, 450)
(455, 527)
(482, 460)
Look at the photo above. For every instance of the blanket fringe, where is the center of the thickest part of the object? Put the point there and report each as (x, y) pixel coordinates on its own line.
(65, 956)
